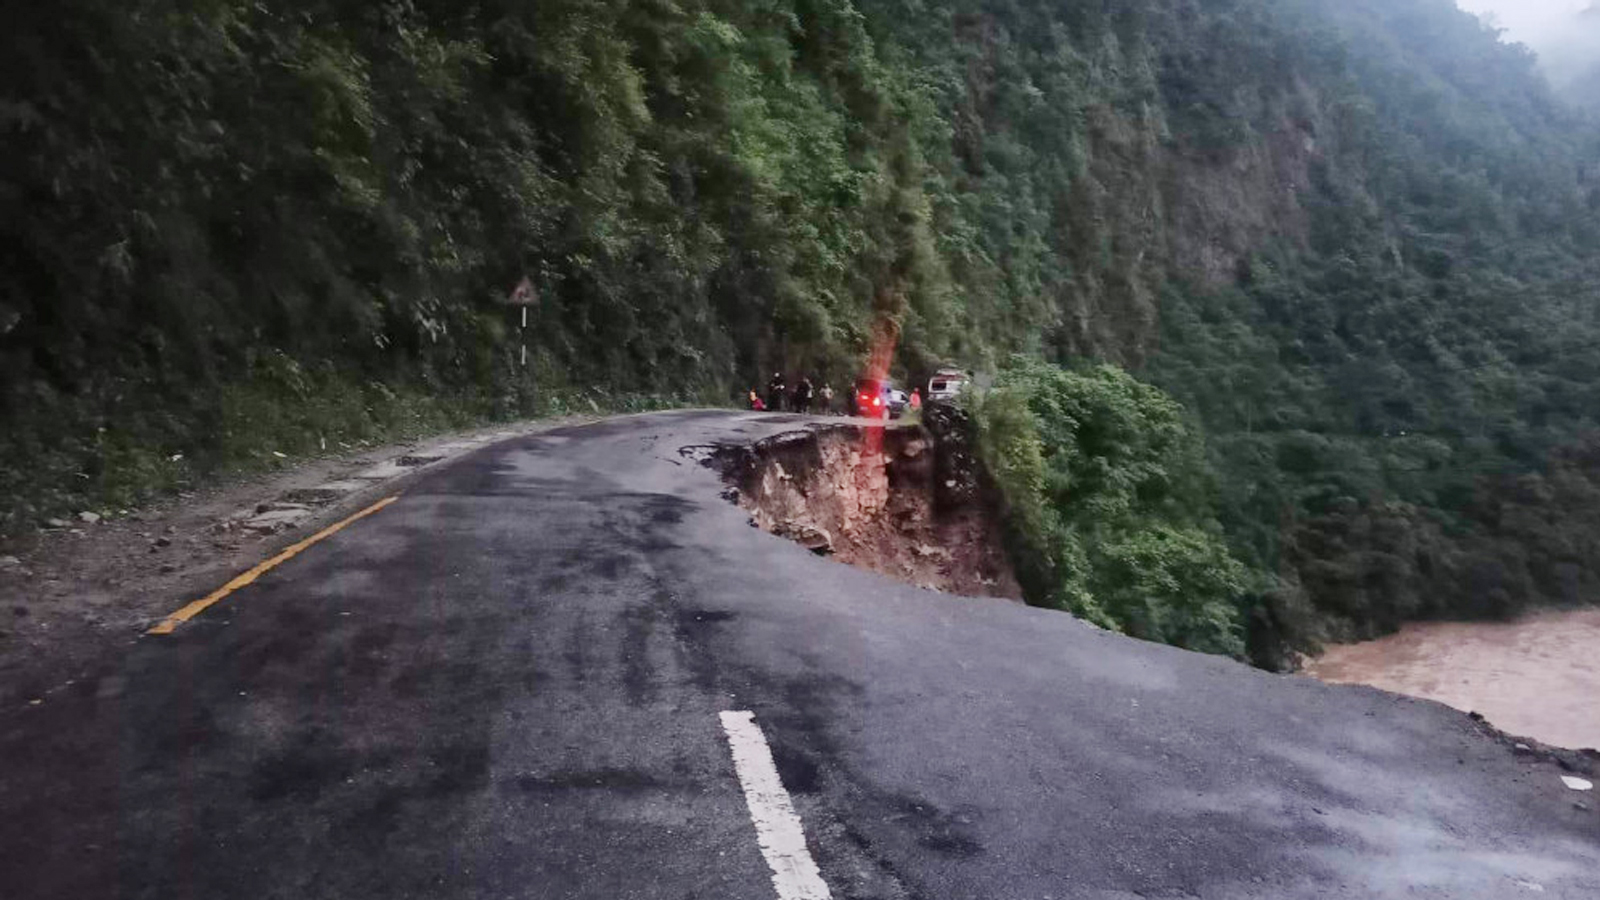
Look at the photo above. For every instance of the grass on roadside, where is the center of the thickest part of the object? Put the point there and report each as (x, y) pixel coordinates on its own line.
(65, 459)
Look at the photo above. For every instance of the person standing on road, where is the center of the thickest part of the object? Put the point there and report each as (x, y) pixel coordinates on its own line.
(775, 392)
(916, 401)
(827, 398)
(755, 401)
(802, 395)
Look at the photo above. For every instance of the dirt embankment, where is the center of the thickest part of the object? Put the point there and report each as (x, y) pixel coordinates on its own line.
(908, 502)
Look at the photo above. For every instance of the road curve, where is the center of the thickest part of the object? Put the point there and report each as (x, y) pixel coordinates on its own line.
(509, 684)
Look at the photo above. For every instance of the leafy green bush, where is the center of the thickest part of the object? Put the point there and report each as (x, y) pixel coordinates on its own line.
(1108, 506)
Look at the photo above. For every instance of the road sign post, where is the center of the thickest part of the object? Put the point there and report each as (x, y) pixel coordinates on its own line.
(524, 296)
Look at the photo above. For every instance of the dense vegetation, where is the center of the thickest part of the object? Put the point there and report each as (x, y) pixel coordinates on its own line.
(1109, 510)
(1358, 242)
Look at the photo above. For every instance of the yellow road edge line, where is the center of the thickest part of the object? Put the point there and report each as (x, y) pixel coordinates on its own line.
(171, 623)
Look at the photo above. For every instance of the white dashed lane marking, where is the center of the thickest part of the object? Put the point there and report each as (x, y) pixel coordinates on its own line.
(778, 830)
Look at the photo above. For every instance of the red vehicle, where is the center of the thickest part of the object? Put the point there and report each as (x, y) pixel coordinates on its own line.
(877, 398)
(871, 398)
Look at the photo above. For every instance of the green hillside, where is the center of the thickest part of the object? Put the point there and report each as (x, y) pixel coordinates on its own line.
(1359, 242)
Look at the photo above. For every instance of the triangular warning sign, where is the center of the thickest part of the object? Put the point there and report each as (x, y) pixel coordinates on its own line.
(523, 294)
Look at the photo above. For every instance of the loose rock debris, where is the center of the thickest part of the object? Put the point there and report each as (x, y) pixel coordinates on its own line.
(901, 501)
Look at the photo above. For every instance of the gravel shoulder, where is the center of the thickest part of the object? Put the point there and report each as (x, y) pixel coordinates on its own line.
(73, 591)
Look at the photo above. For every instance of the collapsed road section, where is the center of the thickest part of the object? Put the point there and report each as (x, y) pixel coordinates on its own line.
(908, 501)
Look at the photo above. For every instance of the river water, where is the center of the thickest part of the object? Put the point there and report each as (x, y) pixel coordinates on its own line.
(1537, 677)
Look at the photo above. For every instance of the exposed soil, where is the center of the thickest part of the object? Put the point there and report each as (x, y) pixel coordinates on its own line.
(895, 500)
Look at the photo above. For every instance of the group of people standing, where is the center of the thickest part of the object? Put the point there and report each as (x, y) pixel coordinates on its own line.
(779, 398)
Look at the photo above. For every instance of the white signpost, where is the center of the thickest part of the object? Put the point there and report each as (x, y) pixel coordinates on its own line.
(523, 295)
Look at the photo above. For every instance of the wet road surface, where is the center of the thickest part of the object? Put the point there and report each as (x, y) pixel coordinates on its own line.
(512, 683)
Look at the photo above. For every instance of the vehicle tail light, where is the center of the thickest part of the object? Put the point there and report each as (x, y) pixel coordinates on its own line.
(877, 401)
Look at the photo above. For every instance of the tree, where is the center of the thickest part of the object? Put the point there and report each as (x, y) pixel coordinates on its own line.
(1108, 509)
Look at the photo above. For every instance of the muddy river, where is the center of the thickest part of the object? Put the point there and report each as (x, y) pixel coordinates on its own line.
(1538, 677)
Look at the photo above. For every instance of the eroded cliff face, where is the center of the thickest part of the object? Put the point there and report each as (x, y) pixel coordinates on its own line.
(894, 500)
(1222, 208)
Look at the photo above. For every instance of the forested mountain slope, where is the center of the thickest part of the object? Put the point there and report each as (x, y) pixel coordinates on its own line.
(1360, 241)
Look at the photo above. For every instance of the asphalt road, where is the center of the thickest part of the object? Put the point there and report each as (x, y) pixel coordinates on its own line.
(508, 684)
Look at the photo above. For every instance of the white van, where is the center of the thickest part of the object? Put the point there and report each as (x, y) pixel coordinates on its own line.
(946, 384)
